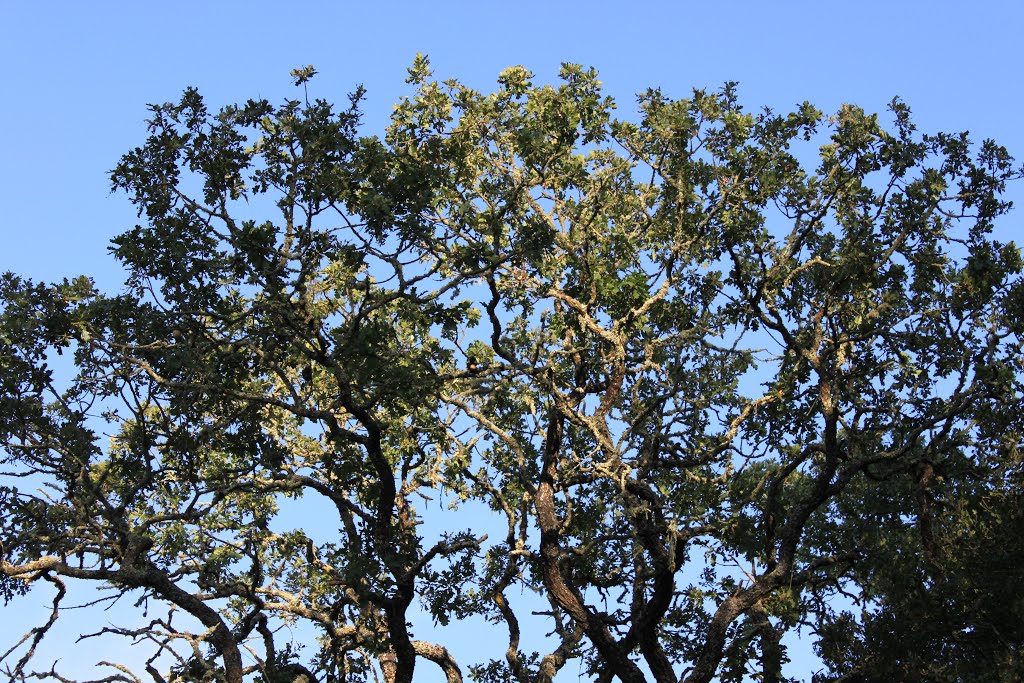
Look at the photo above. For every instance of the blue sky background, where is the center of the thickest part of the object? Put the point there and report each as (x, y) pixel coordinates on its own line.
(76, 77)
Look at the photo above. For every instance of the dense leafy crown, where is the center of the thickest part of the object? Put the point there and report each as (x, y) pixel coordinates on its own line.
(663, 389)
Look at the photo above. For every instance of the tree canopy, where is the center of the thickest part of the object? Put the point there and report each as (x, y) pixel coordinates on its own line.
(650, 395)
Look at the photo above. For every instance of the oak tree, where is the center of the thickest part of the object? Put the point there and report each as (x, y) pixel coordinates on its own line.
(649, 394)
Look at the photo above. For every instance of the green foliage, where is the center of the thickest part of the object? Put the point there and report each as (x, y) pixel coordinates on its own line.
(693, 380)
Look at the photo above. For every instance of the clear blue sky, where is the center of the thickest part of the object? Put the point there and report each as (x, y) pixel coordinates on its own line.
(76, 77)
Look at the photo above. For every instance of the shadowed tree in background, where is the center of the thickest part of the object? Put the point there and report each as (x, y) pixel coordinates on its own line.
(709, 393)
